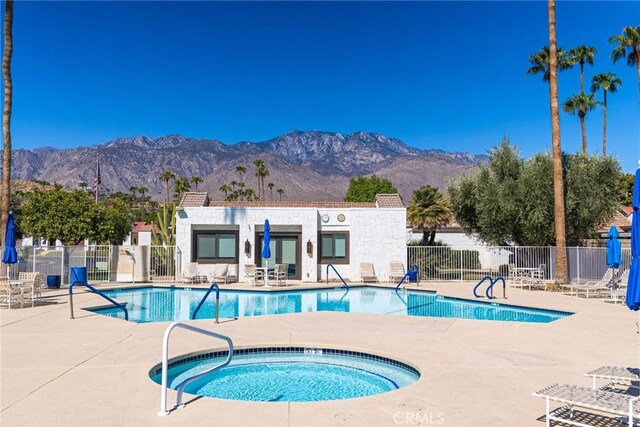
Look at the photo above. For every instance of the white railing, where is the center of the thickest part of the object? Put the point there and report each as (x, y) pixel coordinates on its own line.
(101, 261)
(444, 263)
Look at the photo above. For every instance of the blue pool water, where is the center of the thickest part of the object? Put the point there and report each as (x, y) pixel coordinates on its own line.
(291, 375)
(156, 304)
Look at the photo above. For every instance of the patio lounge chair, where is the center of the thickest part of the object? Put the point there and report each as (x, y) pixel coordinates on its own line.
(232, 273)
(367, 273)
(190, 274)
(220, 273)
(252, 274)
(397, 271)
(598, 400)
(592, 288)
(617, 374)
(279, 274)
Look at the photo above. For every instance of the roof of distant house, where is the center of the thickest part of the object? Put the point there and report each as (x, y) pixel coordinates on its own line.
(139, 226)
(389, 201)
(627, 210)
(194, 200)
(622, 223)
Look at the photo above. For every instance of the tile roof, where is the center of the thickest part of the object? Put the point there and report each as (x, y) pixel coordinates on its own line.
(289, 204)
(389, 201)
(194, 200)
(622, 223)
(627, 210)
(139, 226)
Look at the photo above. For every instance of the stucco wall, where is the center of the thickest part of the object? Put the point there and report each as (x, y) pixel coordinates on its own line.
(375, 235)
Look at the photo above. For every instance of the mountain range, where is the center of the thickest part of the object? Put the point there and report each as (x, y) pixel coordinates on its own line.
(307, 165)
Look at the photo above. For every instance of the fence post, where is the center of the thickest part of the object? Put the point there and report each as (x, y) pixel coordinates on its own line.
(578, 261)
(461, 268)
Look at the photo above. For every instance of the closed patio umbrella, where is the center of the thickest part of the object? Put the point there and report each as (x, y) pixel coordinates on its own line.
(10, 256)
(614, 248)
(266, 250)
(633, 286)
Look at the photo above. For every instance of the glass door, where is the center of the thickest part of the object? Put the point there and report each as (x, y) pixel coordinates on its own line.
(285, 249)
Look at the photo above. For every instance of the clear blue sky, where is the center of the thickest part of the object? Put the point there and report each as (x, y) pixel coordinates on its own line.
(447, 75)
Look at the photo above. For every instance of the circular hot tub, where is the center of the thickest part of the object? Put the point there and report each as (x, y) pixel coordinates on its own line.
(289, 374)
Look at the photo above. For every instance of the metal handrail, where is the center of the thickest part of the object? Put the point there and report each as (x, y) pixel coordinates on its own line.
(212, 287)
(407, 274)
(165, 364)
(112, 301)
(336, 271)
(475, 294)
(489, 292)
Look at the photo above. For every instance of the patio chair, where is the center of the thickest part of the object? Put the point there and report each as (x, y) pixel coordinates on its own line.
(279, 274)
(599, 400)
(190, 274)
(220, 273)
(32, 290)
(367, 272)
(10, 295)
(629, 377)
(252, 274)
(232, 273)
(592, 288)
(397, 271)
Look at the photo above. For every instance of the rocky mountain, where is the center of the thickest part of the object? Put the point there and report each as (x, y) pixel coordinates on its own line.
(310, 165)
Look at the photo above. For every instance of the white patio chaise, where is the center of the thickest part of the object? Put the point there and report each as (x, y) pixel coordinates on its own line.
(232, 273)
(591, 288)
(367, 272)
(618, 290)
(220, 273)
(616, 374)
(190, 274)
(599, 400)
(397, 271)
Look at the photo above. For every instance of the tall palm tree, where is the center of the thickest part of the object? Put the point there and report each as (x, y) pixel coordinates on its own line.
(195, 181)
(428, 210)
(251, 194)
(259, 164)
(539, 62)
(629, 39)
(5, 191)
(280, 192)
(580, 105)
(133, 190)
(167, 176)
(241, 170)
(583, 55)
(608, 82)
(180, 186)
(143, 191)
(558, 181)
(225, 189)
(271, 185)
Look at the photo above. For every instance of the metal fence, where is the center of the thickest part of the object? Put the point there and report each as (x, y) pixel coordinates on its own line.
(104, 263)
(442, 263)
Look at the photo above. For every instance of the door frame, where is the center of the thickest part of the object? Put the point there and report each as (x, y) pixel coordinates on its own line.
(297, 235)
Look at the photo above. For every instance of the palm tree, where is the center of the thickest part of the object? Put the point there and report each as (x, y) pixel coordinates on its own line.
(280, 192)
(558, 181)
(271, 185)
(539, 62)
(428, 209)
(580, 105)
(5, 191)
(133, 191)
(608, 82)
(195, 181)
(241, 170)
(180, 186)
(259, 164)
(583, 55)
(167, 176)
(143, 191)
(83, 186)
(225, 189)
(630, 38)
(251, 194)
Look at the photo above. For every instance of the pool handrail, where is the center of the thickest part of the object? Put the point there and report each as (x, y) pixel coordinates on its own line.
(489, 292)
(475, 294)
(338, 274)
(112, 301)
(201, 303)
(165, 364)
(406, 275)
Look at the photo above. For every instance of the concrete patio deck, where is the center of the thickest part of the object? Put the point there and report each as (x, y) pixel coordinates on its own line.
(94, 370)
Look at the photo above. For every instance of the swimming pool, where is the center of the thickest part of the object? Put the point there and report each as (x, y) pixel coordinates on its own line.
(156, 304)
(289, 374)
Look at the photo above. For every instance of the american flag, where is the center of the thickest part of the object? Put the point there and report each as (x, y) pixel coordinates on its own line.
(96, 182)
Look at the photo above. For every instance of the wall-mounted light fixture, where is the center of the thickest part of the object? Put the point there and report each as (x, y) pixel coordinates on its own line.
(309, 247)
(247, 248)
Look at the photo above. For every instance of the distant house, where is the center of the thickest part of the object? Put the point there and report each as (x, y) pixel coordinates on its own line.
(306, 235)
(622, 220)
(141, 234)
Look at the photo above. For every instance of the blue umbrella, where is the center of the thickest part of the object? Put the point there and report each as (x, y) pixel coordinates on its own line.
(633, 287)
(614, 248)
(10, 256)
(266, 250)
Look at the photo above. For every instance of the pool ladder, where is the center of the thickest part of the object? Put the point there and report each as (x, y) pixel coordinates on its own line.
(336, 271)
(489, 291)
(165, 364)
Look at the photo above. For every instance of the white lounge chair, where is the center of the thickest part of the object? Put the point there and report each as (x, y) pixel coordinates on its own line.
(220, 273)
(190, 274)
(252, 274)
(599, 400)
(279, 274)
(617, 374)
(232, 273)
(397, 271)
(367, 272)
(593, 288)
